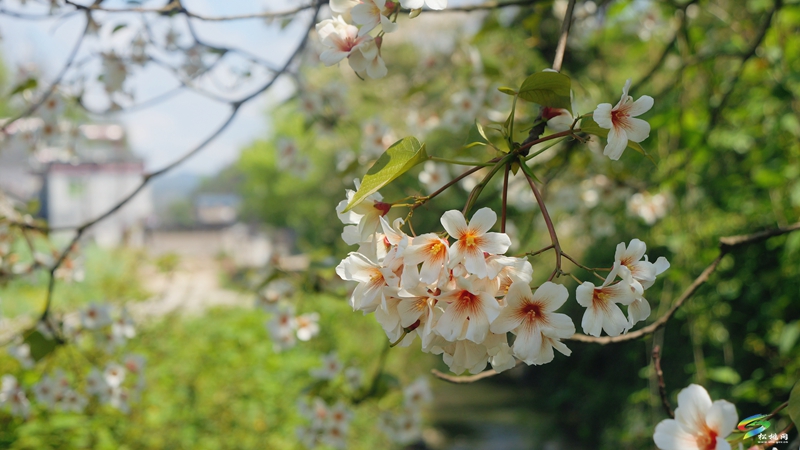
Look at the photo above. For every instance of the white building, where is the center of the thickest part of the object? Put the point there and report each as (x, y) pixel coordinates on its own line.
(79, 182)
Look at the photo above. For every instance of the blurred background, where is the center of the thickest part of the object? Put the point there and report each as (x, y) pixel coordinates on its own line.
(198, 258)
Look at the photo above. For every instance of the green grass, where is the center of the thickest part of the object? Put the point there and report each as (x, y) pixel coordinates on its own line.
(215, 382)
(110, 275)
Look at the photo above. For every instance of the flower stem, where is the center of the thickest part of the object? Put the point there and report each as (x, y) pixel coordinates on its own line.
(547, 220)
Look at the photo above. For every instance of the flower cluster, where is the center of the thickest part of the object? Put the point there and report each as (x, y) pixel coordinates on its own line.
(285, 325)
(329, 425)
(358, 40)
(461, 297)
(56, 392)
(635, 275)
(405, 427)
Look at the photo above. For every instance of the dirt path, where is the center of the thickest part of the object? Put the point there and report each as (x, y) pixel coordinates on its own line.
(191, 288)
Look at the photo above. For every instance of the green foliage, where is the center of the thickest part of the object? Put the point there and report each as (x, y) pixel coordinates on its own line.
(397, 160)
(215, 382)
(794, 405)
(547, 89)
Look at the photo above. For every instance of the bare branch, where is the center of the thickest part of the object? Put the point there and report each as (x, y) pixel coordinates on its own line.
(467, 378)
(561, 48)
(70, 59)
(662, 387)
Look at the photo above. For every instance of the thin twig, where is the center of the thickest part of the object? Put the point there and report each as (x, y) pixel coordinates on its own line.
(456, 379)
(47, 93)
(726, 245)
(562, 39)
(547, 220)
(662, 387)
(504, 199)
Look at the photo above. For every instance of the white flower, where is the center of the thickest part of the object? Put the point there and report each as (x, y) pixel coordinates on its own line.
(417, 4)
(699, 424)
(307, 326)
(470, 309)
(430, 250)
(22, 353)
(331, 366)
(354, 377)
(114, 375)
(473, 240)
(371, 13)
(621, 123)
(95, 316)
(601, 311)
(434, 176)
(532, 318)
(558, 119)
(417, 394)
(11, 394)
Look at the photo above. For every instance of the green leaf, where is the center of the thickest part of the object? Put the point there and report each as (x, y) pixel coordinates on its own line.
(724, 375)
(547, 89)
(507, 90)
(588, 125)
(476, 136)
(40, 345)
(119, 27)
(788, 338)
(794, 405)
(29, 83)
(395, 161)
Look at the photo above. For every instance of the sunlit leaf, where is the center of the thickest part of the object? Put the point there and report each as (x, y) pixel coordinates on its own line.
(476, 136)
(507, 90)
(547, 89)
(724, 375)
(395, 161)
(29, 83)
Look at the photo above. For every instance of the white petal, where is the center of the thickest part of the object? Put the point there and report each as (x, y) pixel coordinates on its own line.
(602, 115)
(617, 141)
(722, 417)
(661, 265)
(506, 321)
(551, 295)
(637, 130)
(559, 326)
(592, 322)
(640, 106)
(670, 436)
(436, 4)
(483, 220)
(495, 243)
(454, 223)
(377, 68)
(693, 405)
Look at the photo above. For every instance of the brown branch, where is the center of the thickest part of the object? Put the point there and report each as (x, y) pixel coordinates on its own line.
(662, 387)
(726, 245)
(561, 48)
(175, 7)
(464, 379)
(772, 442)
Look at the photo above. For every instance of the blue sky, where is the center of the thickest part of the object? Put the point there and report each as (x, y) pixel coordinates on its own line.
(163, 132)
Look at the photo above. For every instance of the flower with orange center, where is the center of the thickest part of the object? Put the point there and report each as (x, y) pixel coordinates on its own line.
(469, 311)
(430, 250)
(473, 240)
(621, 122)
(532, 318)
(602, 313)
(699, 424)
